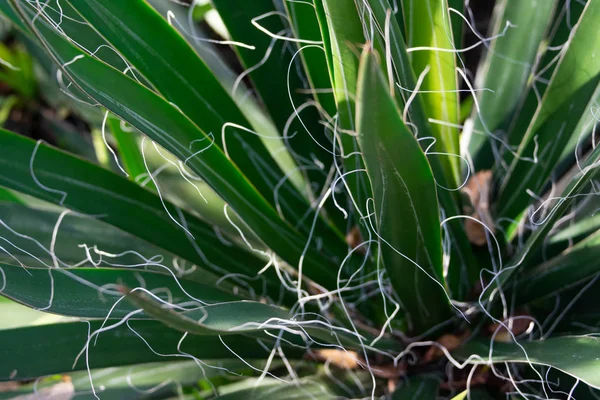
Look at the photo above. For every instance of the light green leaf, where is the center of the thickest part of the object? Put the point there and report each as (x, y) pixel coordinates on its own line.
(342, 32)
(305, 25)
(429, 39)
(271, 389)
(129, 149)
(14, 315)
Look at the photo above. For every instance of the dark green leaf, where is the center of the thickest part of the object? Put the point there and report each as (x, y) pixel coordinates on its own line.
(557, 207)
(119, 345)
(462, 271)
(91, 292)
(164, 123)
(567, 98)
(573, 355)
(562, 272)
(417, 387)
(404, 200)
(49, 174)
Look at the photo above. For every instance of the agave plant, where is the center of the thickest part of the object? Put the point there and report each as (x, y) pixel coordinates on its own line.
(321, 202)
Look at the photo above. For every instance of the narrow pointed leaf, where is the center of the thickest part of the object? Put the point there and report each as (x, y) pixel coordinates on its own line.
(567, 98)
(310, 388)
(305, 25)
(504, 71)
(129, 150)
(404, 199)
(462, 271)
(590, 170)
(156, 49)
(278, 77)
(565, 18)
(243, 317)
(224, 318)
(115, 347)
(164, 123)
(429, 38)
(40, 171)
(342, 31)
(92, 292)
(574, 355)
(131, 382)
(562, 272)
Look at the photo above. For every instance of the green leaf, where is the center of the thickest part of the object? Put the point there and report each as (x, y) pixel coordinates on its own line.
(520, 27)
(210, 53)
(463, 272)
(342, 32)
(200, 11)
(161, 379)
(276, 74)
(456, 21)
(8, 196)
(224, 318)
(573, 266)
(129, 150)
(567, 98)
(117, 346)
(578, 230)
(567, 14)
(305, 25)
(27, 236)
(429, 39)
(164, 123)
(91, 292)
(423, 387)
(156, 49)
(14, 315)
(7, 10)
(271, 389)
(574, 355)
(240, 317)
(41, 171)
(557, 207)
(404, 200)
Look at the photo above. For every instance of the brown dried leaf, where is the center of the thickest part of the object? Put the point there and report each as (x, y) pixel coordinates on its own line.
(478, 189)
(339, 358)
(354, 238)
(449, 341)
(517, 326)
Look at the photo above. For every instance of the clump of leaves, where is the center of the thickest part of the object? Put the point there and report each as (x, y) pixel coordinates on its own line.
(322, 225)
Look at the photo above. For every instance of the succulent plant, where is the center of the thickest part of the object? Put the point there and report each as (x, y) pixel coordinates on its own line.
(305, 199)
